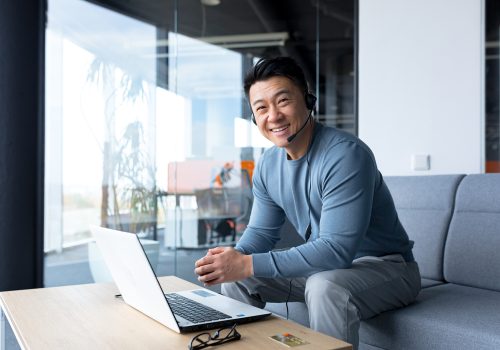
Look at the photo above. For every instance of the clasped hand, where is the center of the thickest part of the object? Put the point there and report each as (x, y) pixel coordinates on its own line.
(223, 264)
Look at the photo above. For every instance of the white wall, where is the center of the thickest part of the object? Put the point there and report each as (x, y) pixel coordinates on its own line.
(421, 81)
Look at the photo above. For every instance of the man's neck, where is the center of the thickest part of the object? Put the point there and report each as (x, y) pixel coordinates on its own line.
(299, 146)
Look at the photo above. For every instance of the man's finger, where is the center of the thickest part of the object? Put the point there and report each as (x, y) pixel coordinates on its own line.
(215, 250)
(209, 277)
(204, 261)
(203, 270)
(198, 263)
(214, 282)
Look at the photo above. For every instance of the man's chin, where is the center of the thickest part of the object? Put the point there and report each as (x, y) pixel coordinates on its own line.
(279, 142)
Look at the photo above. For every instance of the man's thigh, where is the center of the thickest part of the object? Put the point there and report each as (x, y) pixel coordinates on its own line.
(275, 290)
(373, 284)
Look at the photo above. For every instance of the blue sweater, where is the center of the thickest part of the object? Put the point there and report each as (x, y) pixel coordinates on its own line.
(336, 188)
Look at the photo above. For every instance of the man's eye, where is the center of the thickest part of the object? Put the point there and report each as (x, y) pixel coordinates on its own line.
(283, 100)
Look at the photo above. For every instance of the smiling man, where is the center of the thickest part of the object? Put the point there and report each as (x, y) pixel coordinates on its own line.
(356, 260)
(280, 107)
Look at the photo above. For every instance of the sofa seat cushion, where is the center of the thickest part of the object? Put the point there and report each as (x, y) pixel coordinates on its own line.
(447, 316)
(426, 283)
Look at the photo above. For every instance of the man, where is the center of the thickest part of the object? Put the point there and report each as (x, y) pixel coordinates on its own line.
(357, 260)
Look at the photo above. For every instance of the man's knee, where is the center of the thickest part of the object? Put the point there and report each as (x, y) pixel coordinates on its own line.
(331, 310)
(322, 284)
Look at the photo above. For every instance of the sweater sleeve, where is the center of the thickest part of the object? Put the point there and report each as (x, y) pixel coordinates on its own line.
(348, 176)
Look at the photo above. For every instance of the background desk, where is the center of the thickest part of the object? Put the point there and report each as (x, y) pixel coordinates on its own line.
(90, 317)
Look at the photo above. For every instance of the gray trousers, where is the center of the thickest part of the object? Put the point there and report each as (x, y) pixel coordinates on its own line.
(338, 300)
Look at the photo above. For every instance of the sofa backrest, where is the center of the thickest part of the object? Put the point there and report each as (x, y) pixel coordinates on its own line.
(472, 252)
(424, 205)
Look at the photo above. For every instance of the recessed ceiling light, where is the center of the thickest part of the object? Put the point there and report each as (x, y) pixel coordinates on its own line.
(210, 2)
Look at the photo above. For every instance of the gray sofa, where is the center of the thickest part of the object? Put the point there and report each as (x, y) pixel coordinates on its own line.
(455, 223)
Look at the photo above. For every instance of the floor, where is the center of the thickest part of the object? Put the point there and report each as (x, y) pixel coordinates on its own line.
(7, 339)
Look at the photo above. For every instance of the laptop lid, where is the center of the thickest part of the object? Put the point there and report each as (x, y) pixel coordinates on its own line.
(137, 282)
(133, 274)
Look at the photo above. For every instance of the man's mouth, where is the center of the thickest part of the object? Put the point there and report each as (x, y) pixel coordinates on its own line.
(281, 128)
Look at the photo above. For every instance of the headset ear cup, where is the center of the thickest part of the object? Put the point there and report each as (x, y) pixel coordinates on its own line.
(310, 101)
(253, 119)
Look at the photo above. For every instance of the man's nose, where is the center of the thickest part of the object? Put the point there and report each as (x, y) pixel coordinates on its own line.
(274, 113)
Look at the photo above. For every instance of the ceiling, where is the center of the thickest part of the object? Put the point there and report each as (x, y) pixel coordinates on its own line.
(298, 18)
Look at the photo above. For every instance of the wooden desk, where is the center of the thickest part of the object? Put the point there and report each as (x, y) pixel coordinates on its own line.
(90, 317)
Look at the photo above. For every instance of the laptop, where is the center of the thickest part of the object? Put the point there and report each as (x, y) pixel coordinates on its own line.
(185, 311)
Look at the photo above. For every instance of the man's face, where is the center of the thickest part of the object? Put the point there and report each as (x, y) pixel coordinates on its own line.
(279, 108)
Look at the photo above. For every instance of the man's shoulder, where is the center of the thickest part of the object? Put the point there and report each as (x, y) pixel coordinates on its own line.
(337, 148)
(330, 137)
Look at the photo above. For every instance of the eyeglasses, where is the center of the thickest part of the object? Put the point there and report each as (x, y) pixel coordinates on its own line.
(223, 335)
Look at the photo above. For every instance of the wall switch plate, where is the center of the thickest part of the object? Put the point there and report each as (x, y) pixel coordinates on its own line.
(420, 162)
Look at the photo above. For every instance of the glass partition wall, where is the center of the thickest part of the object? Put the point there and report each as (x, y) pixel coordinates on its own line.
(147, 126)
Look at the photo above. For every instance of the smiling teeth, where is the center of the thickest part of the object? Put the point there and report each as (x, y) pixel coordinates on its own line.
(279, 129)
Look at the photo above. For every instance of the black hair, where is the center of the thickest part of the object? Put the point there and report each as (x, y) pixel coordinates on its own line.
(267, 68)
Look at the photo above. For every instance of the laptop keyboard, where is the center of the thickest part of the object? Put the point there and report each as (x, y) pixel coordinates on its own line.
(192, 310)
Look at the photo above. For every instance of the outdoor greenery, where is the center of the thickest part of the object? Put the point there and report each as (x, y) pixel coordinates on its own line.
(128, 181)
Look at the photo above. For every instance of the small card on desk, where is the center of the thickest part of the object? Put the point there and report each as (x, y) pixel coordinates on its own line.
(289, 340)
